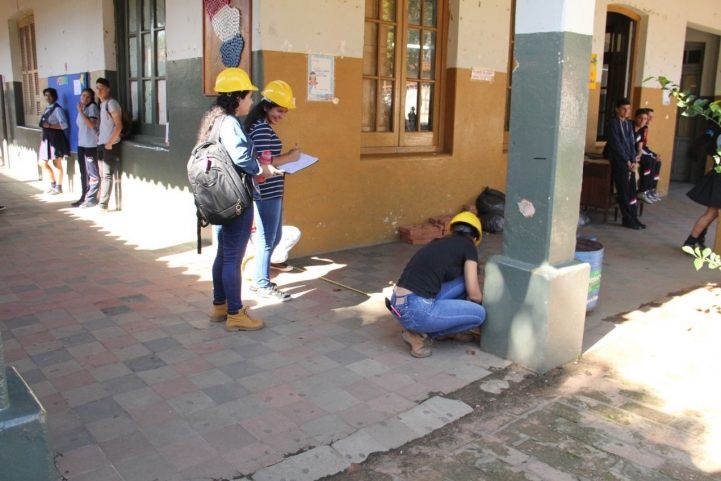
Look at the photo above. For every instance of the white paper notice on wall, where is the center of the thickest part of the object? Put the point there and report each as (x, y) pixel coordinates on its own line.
(666, 97)
(77, 90)
(482, 75)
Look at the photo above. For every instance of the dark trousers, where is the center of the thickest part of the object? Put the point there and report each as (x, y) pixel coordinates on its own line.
(82, 168)
(109, 173)
(625, 182)
(88, 163)
(648, 171)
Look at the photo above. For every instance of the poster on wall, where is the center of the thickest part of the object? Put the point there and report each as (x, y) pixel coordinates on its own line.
(226, 38)
(69, 88)
(594, 66)
(321, 75)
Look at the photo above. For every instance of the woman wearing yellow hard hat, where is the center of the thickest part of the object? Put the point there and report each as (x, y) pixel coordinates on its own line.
(270, 111)
(437, 295)
(234, 88)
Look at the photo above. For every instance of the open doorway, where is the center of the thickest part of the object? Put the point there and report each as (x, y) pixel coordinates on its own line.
(700, 59)
(617, 73)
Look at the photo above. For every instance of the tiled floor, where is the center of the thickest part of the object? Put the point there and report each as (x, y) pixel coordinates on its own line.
(115, 340)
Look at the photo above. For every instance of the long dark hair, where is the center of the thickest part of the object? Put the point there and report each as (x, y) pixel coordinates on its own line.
(258, 112)
(704, 144)
(91, 92)
(225, 104)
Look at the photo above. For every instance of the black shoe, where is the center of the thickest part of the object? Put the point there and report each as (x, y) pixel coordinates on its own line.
(630, 225)
(77, 203)
(640, 224)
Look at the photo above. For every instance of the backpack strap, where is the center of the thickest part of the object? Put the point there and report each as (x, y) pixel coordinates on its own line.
(199, 226)
(215, 131)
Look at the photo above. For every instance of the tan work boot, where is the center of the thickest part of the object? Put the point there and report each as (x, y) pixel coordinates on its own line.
(220, 313)
(243, 322)
(465, 336)
(419, 343)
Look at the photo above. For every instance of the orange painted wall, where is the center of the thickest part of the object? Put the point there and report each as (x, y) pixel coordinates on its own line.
(351, 200)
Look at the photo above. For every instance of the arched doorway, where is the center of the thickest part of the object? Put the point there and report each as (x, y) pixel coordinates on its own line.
(619, 53)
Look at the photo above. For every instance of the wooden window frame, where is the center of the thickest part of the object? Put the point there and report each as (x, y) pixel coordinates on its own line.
(398, 140)
(32, 96)
(509, 76)
(134, 103)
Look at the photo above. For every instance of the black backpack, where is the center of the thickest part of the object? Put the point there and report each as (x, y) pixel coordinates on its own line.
(222, 192)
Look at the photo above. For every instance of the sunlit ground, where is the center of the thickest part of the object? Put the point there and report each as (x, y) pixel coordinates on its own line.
(673, 352)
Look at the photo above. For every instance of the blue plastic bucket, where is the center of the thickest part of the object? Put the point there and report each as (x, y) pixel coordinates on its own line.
(591, 252)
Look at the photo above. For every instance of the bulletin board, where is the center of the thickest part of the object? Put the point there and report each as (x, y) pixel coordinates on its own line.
(69, 88)
(226, 38)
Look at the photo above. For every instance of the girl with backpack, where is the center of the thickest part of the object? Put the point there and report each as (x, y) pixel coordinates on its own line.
(234, 87)
(55, 144)
(277, 100)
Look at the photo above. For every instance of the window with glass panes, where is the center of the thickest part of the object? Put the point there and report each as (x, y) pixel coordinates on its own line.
(33, 101)
(402, 67)
(145, 67)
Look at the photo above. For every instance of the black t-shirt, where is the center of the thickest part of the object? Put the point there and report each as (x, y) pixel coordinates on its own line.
(438, 262)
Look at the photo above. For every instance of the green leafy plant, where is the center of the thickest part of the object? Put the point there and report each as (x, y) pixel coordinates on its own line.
(707, 256)
(692, 107)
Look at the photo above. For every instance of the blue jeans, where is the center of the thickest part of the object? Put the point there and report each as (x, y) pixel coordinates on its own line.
(268, 225)
(232, 241)
(448, 313)
(89, 156)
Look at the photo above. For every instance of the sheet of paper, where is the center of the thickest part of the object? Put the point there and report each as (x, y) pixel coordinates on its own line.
(300, 164)
(76, 87)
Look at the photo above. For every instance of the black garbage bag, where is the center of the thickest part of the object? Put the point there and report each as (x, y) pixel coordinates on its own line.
(492, 222)
(491, 201)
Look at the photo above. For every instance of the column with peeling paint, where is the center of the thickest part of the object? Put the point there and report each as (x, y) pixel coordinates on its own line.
(535, 293)
(25, 452)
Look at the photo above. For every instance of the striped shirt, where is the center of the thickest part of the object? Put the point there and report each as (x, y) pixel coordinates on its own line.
(264, 139)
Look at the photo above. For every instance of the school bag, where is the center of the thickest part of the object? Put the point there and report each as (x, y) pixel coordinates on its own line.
(221, 191)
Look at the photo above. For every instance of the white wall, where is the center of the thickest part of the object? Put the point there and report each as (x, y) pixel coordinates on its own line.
(184, 29)
(328, 27)
(479, 33)
(72, 36)
(664, 25)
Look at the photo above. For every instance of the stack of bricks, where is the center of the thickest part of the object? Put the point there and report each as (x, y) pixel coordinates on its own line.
(435, 228)
(443, 221)
(421, 234)
(471, 208)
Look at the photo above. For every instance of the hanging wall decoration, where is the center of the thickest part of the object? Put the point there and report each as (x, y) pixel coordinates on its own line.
(226, 38)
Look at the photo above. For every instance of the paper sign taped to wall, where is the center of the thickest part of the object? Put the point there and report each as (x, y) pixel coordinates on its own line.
(77, 89)
(482, 75)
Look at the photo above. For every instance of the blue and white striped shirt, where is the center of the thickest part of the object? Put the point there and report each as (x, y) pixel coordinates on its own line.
(264, 138)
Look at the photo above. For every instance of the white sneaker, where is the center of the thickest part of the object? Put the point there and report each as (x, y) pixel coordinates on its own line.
(643, 197)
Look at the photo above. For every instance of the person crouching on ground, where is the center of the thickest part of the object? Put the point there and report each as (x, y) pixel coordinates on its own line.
(437, 296)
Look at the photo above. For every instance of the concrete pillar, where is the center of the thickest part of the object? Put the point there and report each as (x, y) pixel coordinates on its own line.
(24, 440)
(535, 293)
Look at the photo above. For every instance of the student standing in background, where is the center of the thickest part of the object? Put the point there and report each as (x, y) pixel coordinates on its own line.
(87, 122)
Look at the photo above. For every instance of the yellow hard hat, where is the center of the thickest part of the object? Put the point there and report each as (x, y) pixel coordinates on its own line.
(233, 80)
(279, 93)
(470, 219)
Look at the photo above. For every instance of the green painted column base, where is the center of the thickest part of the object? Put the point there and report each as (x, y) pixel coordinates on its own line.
(534, 314)
(25, 452)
